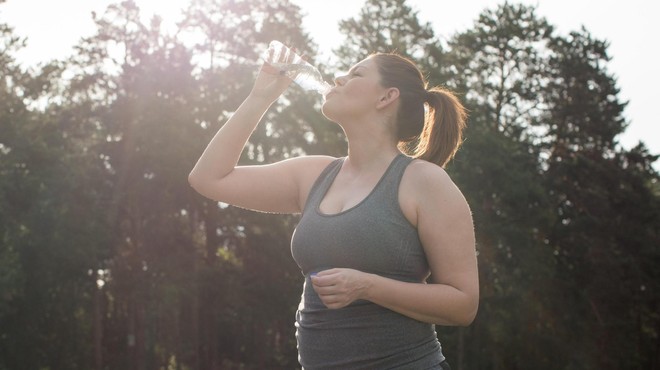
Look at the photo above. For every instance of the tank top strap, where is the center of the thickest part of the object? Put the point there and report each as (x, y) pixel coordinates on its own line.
(322, 184)
(392, 178)
(386, 192)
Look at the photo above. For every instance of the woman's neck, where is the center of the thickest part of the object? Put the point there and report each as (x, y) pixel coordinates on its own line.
(370, 148)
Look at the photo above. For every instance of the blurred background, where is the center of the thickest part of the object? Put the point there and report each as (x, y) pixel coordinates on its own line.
(109, 260)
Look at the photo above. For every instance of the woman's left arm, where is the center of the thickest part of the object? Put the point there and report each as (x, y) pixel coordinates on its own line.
(444, 223)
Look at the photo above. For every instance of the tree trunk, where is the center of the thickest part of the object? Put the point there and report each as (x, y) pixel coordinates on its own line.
(98, 326)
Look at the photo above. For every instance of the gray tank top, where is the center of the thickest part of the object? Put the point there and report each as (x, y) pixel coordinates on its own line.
(375, 237)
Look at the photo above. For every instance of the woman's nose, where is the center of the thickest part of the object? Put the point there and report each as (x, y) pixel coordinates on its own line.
(340, 79)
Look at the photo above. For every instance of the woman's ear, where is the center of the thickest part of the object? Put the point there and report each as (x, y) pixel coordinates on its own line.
(389, 96)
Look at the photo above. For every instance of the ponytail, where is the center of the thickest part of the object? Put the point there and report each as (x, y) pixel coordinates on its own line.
(444, 122)
(429, 124)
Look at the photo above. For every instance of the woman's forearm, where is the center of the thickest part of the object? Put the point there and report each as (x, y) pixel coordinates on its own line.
(223, 152)
(433, 303)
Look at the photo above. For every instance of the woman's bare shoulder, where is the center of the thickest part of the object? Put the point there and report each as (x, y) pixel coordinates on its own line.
(424, 175)
(427, 186)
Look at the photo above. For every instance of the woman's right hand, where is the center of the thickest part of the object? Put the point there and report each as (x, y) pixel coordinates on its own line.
(270, 82)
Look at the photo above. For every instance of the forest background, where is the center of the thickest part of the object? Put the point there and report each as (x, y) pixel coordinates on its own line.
(109, 260)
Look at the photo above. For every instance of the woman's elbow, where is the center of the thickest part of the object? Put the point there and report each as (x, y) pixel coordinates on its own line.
(464, 314)
(470, 311)
(193, 180)
(468, 317)
(199, 184)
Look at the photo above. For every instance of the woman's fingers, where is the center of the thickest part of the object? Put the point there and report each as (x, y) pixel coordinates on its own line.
(337, 287)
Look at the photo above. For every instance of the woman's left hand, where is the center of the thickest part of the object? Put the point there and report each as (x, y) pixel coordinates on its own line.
(339, 287)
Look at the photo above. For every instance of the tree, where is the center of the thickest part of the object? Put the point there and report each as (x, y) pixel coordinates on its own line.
(390, 26)
(605, 210)
(500, 61)
(46, 215)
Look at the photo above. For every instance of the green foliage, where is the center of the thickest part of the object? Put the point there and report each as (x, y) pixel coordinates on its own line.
(109, 260)
(606, 211)
(391, 26)
(50, 232)
(500, 63)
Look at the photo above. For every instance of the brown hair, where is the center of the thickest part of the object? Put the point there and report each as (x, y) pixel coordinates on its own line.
(433, 132)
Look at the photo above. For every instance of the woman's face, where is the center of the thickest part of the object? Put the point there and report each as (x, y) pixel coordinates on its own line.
(355, 93)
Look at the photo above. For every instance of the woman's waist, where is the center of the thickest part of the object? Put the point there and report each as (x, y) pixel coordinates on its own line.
(364, 335)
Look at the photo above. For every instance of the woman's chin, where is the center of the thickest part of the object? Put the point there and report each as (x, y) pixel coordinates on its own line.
(326, 110)
(333, 111)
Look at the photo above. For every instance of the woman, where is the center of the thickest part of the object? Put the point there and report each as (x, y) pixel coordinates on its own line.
(375, 224)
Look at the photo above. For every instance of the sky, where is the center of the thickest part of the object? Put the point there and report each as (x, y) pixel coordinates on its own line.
(630, 26)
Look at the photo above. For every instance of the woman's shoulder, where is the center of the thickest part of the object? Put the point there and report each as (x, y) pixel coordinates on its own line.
(424, 179)
(425, 173)
(427, 190)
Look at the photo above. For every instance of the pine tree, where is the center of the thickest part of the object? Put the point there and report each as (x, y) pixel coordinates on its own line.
(605, 210)
(390, 26)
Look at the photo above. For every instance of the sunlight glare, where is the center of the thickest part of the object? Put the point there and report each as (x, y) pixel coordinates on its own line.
(170, 11)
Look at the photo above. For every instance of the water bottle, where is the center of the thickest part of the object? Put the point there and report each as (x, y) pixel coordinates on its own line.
(301, 72)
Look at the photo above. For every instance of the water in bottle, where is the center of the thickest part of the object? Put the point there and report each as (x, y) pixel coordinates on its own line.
(301, 72)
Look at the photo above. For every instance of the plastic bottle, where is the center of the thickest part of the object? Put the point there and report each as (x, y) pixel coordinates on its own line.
(301, 72)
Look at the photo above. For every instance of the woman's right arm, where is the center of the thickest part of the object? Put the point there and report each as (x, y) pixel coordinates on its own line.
(279, 187)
